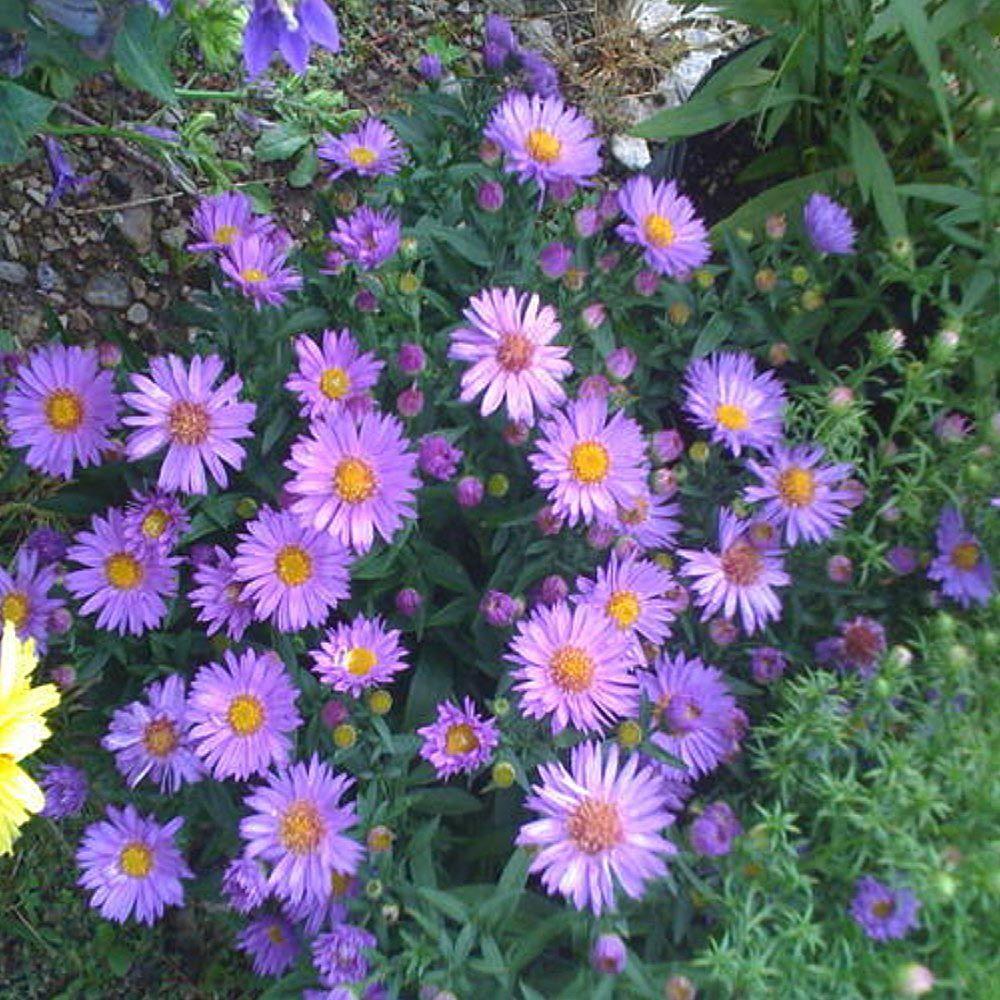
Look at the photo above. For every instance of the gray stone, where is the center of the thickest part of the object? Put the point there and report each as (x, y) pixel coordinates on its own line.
(537, 33)
(107, 291)
(137, 314)
(176, 237)
(630, 152)
(49, 279)
(136, 225)
(13, 273)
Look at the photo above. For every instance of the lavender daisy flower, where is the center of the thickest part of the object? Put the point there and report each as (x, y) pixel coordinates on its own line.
(179, 408)
(368, 237)
(512, 360)
(883, 913)
(219, 598)
(693, 712)
(292, 573)
(859, 647)
(800, 493)
(663, 222)
(132, 866)
(297, 825)
(272, 944)
(65, 789)
(48, 544)
(459, 740)
(25, 601)
(62, 407)
(338, 954)
(589, 464)
(154, 738)
(828, 225)
(155, 518)
(65, 179)
(328, 376)
(574, 666)
(257, 266)
(221, 219)
(370, 150)
(631, 592)
(241, 714)
(600, 827)
(725, 395)
(713, 832)
(650, 520)
(244, 885)
(740, 576)
(961, 566)
(544, 140)
(354, 478)
(360, 655)
(126, 586)
(290, 27)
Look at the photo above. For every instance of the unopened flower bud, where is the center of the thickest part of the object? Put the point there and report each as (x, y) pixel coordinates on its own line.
(497, 485)
(380, 702)
(345, 736)
(503, 774)
(380, 839)
(679, 313)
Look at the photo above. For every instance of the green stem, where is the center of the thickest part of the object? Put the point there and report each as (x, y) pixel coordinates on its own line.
(210, 95)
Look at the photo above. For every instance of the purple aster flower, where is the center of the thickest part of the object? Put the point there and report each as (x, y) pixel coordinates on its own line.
(460, 740)
(693, 712)
(498, 31)
(155, 518)
(200, 425)
(272, 944)
(590, 464)
(65, 180)
(25, 601)
(363, 654)
(411, 359)
(370, 150)
(508, 346)
(469, 492)
(725, 395)
(65, 789)
(368, 236)
(296, 826)
(650, 520)
(544, 140)
(328, 376)
(490, 196)
(499, 609)
(61, 407)
(574, 666)
(241, 714)
(883, 913)
(257, 266)
(244, 885)
(599, 828)
(713, 832)
(663, 222)
(128, 587)
(153, 738)
(430, 67)
(354, 478)
(962, 567)
(554, 259)
(903, 559)
(828, 225)
(608, 955)
(621, 363)
(293, 574)
(740, 577)
(221, 219)
(132, 866)
(767, 664)
(48, 545)
(438, 457)
(540, 76)
(290, 27)
(800, 493)
(339, 957)
(859, 647)
(218, 597)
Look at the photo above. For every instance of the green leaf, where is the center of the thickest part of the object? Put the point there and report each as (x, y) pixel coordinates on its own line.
(875, 176)
(22, 115)
(142, 53)
(305, 169)
(280, 143)
(446, 903)
(445, 802)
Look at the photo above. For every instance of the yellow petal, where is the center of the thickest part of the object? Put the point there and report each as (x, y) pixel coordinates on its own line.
(19, 797)
(17, 662)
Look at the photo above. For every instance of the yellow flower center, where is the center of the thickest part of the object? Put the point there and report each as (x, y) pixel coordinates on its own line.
(14, 608)
(965, 555)
(797, 486)
(64, 411)
(225, 235)
(245, 715)
(359, 661)
(340, 884)
(362, 156)
(514, 352)
(136, 860)
(543, 146)
(334, 383)
(589, 462)
(155, 523)
(594, 826)
(123, 571)
(460, 739)
(571, 669)
(741, 564)
(659, 230)
(733, 418)
(275, 934)
(623, 606)
(355, 480)
(883, 908)
(189, 423)
(253, 275)
(293, 565)
(160, 738)
(302, 827)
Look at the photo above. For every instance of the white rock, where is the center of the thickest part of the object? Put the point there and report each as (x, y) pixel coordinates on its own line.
(630, 152)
